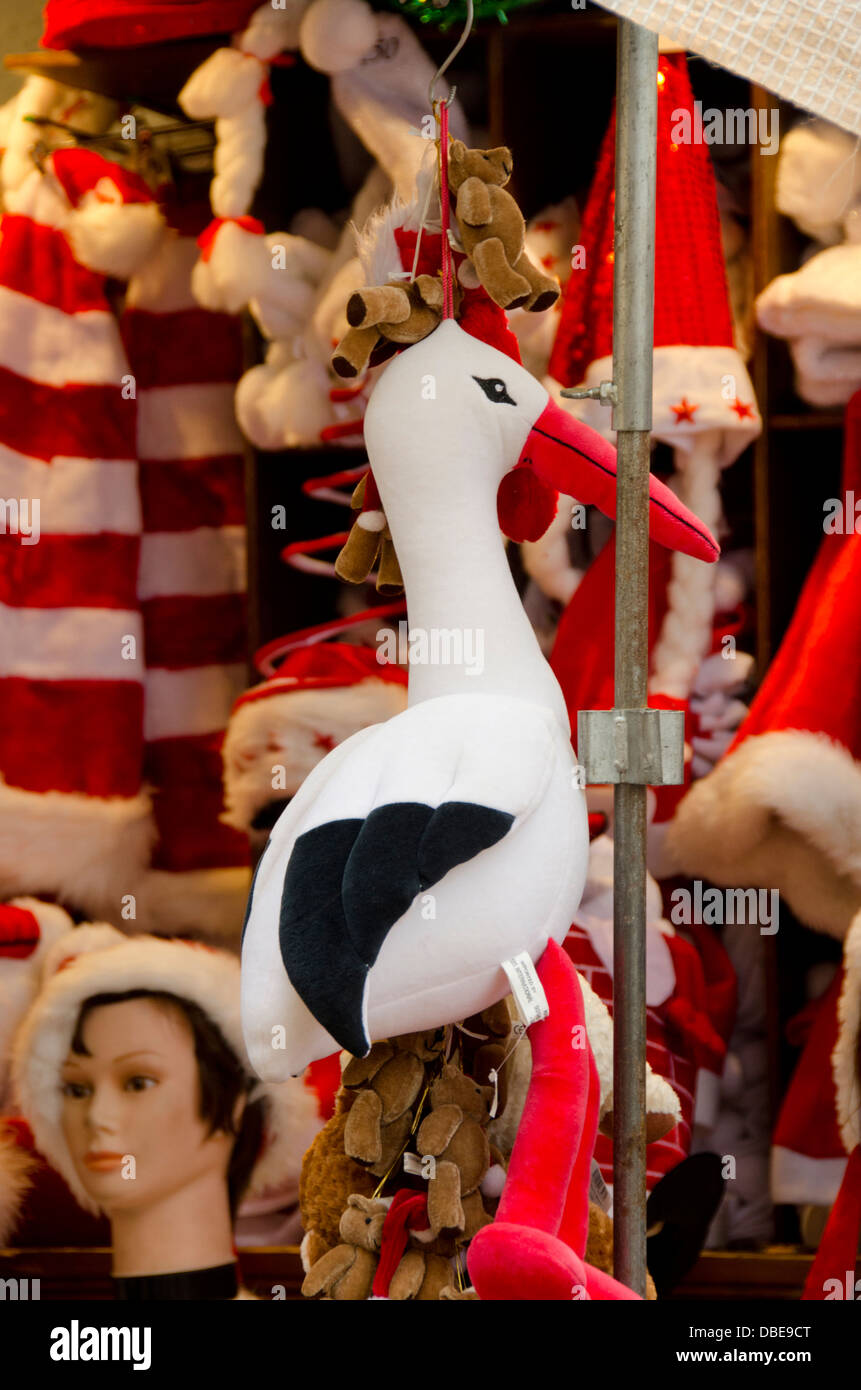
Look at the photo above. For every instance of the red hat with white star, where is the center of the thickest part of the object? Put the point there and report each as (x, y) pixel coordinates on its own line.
(703, 403)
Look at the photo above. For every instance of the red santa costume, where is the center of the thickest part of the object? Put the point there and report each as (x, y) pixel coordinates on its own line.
(682, 1042)
(782, 810)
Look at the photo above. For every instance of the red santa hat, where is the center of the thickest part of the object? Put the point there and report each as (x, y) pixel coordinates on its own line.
(321, 695)
(28, 929)
(97, 959)
(838, 1248)
(703, 401)
(782, 809)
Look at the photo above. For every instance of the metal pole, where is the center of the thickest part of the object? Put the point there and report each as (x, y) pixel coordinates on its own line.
(633, 314)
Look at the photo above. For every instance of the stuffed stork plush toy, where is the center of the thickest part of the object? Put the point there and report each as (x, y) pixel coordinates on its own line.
(423, 852)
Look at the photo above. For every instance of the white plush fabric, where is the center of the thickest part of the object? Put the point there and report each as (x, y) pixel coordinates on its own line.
(822, 298)
(818, 178)
(759, 819)
(19, 981)
(845, 1057)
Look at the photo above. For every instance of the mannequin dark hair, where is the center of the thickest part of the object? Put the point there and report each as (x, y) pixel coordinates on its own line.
(222, 1080)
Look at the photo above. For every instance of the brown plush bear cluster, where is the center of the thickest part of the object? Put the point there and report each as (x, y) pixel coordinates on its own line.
(426, 1097)
(492, 233)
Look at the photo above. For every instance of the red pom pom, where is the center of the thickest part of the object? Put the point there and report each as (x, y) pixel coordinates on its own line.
(525, 505)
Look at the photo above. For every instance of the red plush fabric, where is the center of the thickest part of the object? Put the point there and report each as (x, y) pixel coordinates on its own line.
(807, 1123)
(525, 506)
(324, 1078)
(554, 1115)
(814, 681)
(525, 1253)
(408, 1212)
(693, 304)
(107, 24)
(838, 1248)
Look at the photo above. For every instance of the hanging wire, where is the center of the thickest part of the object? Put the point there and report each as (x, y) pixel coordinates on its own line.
(443, 68)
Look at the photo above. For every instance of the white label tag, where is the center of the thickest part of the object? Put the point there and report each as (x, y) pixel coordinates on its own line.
(413, 1165)
(599, 1192)
(527, 989)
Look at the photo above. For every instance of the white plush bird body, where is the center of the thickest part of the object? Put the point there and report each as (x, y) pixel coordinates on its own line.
(424, 852)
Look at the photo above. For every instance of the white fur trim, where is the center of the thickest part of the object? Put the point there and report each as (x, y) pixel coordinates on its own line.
(783, 811)
(823, 298)
(93, 854)
(284, 405)
(87, 851)
(19, 980)
(700, 374)
(113, 238)
(818, 177)
(15, 1168)
(826, 373)
(271, 30)
(846, 1057)
(280, 731)
(207, 978)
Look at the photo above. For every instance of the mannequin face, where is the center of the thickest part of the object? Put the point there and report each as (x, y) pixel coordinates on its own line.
(136, 1097)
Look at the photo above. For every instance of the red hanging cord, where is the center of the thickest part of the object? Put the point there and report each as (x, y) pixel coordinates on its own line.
(445, 210)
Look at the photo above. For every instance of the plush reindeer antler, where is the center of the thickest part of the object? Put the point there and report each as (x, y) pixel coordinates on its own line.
(369, 538)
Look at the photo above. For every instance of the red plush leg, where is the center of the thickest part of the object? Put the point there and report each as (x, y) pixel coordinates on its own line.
(520, 1255)
(516, 1262)
(574, 1229)
(548, 1138)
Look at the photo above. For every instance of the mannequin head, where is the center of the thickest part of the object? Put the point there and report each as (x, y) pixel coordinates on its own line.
(148, 1076)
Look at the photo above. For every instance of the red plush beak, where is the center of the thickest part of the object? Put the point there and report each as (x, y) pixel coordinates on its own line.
(572, 458)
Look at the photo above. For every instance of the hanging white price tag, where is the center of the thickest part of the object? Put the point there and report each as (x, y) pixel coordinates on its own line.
(527, 989)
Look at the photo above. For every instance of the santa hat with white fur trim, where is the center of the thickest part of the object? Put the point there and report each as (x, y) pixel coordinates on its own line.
(320, 696)
(97, 959)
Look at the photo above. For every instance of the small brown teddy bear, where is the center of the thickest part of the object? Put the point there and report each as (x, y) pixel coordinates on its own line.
(454, 1136)
(383, 318)
(347, 1272)
(329, 1176)
(492, 229)
(389, 1080)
